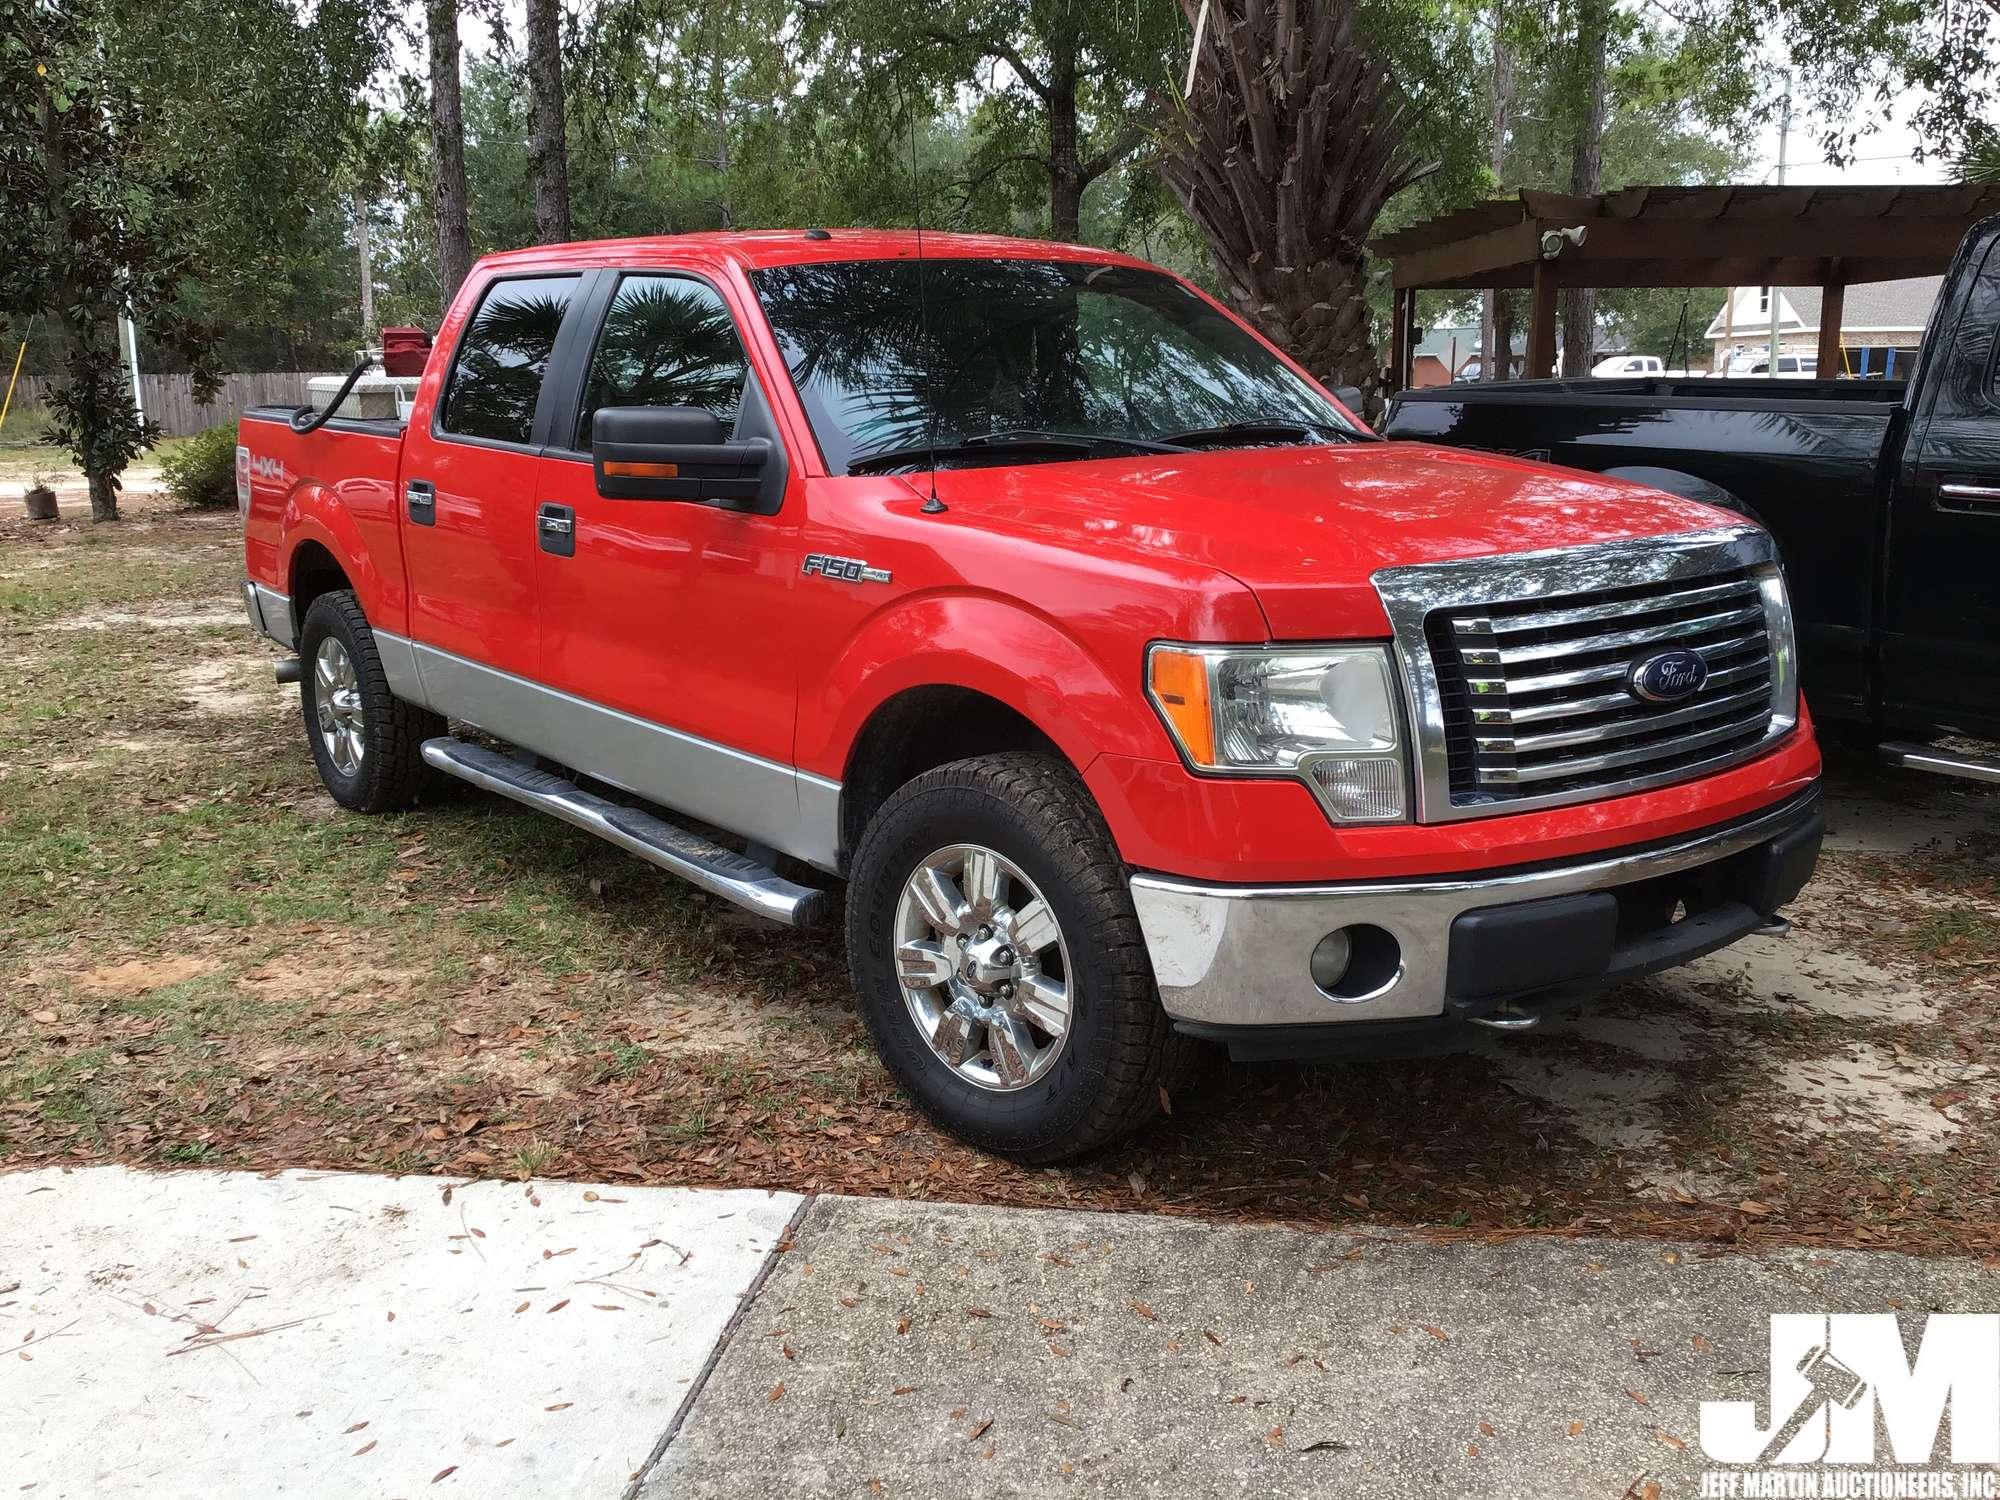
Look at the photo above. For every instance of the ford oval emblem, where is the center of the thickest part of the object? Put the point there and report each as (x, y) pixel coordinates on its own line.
(1667, 676)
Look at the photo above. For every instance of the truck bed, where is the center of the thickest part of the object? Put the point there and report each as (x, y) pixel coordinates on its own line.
(363, 459)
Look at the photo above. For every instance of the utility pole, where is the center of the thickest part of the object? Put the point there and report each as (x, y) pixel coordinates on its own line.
(1784, 138)
(367, 270)
(129, 336)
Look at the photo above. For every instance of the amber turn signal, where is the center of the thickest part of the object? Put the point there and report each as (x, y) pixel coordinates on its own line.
(1179, 683)
(618, 469)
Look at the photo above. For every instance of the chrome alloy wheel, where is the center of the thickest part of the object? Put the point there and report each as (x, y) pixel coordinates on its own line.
(983, 968)
(337, 706)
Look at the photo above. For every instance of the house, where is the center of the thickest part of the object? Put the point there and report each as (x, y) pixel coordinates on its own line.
(1447, 354)
(1442, 353)
(1880, 327)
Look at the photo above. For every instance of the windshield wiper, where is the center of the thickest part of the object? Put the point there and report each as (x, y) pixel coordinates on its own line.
(995, 445)
(1260, 430)
(1094, 439)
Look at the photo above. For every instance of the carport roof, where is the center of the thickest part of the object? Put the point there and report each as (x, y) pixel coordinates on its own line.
(1694, 236)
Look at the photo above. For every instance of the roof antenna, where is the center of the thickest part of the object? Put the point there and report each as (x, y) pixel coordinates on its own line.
(933, 506)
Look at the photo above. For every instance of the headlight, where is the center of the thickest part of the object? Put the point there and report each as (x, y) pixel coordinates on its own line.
(1324, 714)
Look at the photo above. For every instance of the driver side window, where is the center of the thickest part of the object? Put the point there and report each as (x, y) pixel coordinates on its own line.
(667, 341)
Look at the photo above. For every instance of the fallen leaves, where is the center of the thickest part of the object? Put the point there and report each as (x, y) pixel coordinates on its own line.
(1144, 1310)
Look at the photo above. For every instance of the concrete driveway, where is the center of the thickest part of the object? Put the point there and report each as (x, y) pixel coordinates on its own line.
(220, 1334)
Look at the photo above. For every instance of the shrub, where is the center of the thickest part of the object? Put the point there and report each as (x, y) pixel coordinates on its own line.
(200, 471)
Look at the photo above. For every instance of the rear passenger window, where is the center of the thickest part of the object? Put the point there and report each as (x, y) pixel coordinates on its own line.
(497, 376)
(667, 341)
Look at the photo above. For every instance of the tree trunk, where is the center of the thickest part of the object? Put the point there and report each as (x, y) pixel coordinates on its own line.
(548, 146)
(103, 496)
(1503, 335)
(448, 150)
(1290, 143)
(1065, 156)
(1495, 348)
(1577, 306)
(94, 398)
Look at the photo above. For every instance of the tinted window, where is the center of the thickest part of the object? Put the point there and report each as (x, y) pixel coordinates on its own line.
(497, 376)
(1078, 349)
(667, 341)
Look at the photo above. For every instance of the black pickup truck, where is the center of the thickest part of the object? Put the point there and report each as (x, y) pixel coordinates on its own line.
(1884, 498)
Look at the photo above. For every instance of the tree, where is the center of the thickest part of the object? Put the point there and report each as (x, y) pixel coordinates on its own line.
(1941, 54)
(548, 150)
(1588, 74)
(1496, 321)
(1069, 88)
(136, 141)
(1290, 143)
(454, 227)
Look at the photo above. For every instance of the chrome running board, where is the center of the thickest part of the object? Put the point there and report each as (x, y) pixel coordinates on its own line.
(710, 867)
(1940, 762)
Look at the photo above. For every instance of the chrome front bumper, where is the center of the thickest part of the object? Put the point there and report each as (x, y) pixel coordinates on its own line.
(1229, 958)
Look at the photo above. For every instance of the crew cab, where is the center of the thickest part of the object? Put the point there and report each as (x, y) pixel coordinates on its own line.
(1884, 497)
(1139, 694)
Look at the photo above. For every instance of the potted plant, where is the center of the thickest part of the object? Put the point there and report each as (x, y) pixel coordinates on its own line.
(41, 500)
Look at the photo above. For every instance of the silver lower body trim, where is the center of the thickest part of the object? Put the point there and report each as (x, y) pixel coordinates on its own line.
(792, 811)
(270, 613)
(1238, 956)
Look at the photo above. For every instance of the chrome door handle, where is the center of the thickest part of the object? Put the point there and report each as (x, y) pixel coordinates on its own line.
(420, 496)
(1976, 496)
(556, 525)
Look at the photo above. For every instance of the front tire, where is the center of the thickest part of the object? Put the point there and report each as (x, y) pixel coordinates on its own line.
(999, 963)
(367, 742)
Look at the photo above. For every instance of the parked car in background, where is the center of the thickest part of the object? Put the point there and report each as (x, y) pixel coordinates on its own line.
(1790, 366)
(1884, 497)
(1629, 364)
(1138, 693)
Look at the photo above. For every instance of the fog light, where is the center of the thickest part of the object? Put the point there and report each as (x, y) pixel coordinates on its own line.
(1358, 788)
(1330, 959)
(1356, 963)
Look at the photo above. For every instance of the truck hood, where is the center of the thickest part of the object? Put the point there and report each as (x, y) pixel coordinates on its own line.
(1305, 528)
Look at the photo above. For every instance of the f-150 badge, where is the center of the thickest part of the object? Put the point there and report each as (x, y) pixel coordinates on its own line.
(844, 569)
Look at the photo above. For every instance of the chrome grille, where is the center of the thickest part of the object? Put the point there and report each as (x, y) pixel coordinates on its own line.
(1535, 696)
(1516, 668)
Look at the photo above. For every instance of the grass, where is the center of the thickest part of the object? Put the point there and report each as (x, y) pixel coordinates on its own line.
(1962, 933)
(202, 961)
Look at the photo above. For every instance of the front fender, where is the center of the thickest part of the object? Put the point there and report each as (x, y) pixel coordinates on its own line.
(1023, 659)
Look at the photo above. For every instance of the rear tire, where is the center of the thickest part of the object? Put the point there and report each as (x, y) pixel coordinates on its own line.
(1008, 853)
(365, 740)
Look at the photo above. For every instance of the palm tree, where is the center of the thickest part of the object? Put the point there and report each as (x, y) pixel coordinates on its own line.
(1287, 148)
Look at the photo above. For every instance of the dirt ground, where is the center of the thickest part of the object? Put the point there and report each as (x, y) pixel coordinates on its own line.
(203, 961)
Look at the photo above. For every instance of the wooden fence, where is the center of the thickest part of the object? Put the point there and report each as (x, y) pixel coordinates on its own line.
(169, 399)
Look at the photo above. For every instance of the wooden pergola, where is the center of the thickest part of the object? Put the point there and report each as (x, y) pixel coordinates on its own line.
(1830, 237)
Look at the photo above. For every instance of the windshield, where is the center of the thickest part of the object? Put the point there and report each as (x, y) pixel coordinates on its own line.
(1013, 349)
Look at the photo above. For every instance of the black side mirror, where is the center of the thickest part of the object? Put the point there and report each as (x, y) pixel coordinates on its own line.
(674, 453)
(1349, 396)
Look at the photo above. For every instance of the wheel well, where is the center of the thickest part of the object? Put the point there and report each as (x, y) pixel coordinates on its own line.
(314, 572)
(918, 731)
(1687, 486)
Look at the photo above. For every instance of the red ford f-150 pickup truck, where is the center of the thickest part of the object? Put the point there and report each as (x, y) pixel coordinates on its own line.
(1136, 690)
